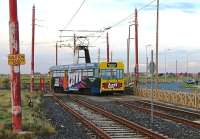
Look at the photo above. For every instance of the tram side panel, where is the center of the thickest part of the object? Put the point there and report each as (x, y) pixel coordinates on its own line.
(83, 82)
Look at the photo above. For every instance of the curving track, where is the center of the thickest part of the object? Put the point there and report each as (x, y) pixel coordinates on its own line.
(105, 124)
(162, 112)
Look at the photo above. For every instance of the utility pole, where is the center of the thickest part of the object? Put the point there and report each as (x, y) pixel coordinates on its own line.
(127, 56)
(136, 50)
(152, 68)
(128, 49)
(74, 48)
(99, 53)
(147, 61)
(33, 45)
(111, 56)
(15, 69)
(187, 63)
(108, 51)
(157, 27)
(165, 68)
(56, 54)
(176, 70)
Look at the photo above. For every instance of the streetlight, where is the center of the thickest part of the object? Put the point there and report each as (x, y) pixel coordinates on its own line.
(148, 45)
(187, 63)
(128, 47)
(166, 63)
(147, 63)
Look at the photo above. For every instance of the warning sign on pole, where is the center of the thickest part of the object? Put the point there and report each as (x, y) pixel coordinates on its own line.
(16, 59)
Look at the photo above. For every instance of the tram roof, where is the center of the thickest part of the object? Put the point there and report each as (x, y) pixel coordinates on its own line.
(74, 66)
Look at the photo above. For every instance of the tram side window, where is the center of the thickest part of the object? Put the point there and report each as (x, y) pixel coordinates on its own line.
(58, 74)
(90, 72)
(84, 73)
(96, 73)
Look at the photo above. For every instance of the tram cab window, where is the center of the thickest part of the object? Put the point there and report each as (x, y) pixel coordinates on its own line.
(112, 74)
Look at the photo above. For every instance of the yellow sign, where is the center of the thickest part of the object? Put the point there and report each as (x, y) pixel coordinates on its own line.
(111, 65)
(17, 59)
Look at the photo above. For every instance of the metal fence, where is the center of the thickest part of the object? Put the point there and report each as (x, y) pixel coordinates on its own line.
(191, 100)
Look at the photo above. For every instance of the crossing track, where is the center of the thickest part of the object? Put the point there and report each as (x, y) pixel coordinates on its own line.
(170, 108)
(157, 113)
(105, 124)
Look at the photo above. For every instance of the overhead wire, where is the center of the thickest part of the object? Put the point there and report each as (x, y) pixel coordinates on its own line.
(124, 19)
(147, 5)
(74, 15)
(112, 26)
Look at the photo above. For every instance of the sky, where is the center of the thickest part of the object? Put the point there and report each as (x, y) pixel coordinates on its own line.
(178, 31)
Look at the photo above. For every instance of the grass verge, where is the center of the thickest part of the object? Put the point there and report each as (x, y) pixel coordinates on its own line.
(34, 122)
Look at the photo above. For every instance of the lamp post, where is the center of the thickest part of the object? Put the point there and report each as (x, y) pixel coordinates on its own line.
(176, 70)
(147, 62)
(128, 49)
(166, 63)
(187, 63)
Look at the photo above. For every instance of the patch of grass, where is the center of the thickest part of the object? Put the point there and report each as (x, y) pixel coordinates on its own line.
(33, 118)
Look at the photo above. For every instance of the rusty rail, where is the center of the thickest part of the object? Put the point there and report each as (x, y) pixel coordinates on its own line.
(170, 108)
(87, 123)
(123, 121)
(163, 115)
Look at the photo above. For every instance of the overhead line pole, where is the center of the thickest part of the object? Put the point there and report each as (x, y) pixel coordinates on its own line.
(108, 51)
(157, 29)
(74, 48)
(15, 69)
(111, 56)
(56, 54)
(33, 45)
(128, 49)
(136, 50)
(176, 70)
(99, 55)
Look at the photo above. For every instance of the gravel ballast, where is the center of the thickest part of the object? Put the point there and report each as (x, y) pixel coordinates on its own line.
(67, 127)
(171, 129)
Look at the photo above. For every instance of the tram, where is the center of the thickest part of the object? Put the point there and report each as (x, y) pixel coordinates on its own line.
(96, 78)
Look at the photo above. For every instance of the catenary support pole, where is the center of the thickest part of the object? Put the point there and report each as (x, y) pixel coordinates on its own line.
(157, 37)
(152, 93)
(111, 54)
(99, 55)
(15, 70)
(56, 54)
(33, 47)
(136, 50)
(74, 50)
(176, 69)
(128, 49)
(108, 51)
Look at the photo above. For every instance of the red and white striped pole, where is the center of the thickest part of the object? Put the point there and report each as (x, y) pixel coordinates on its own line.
(15, 70)
(33, 45)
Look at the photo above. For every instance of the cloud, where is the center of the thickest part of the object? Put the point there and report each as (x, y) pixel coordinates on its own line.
(187, 7)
